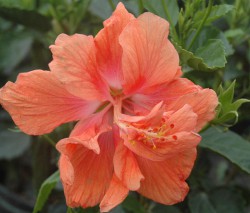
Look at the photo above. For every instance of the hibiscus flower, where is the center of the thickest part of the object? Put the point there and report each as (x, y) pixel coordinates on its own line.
(138, 119)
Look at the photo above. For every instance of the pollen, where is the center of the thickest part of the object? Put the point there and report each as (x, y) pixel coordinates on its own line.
(132, 142)
(154, 146)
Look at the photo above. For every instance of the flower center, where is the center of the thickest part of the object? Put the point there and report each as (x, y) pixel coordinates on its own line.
(152, 135)
(115, 92)
(143, 130)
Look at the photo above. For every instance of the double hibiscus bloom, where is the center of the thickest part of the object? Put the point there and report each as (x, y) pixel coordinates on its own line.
(138, 119)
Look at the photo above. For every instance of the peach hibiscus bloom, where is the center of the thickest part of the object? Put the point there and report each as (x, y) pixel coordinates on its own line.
(138, 119)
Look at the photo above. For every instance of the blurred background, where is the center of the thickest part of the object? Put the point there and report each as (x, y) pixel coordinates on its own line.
(220, 181)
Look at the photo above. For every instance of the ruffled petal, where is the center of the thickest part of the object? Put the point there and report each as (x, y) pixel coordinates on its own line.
(160, 135)
(203, 103)
(74, 63)
(126, 167)
(115, 194)
(38, 103)
(165, 181)
(108, 49)
(169, 147)
(86, 162)
(184, 119)
(143, 102)
(92, 172)
(149, 58)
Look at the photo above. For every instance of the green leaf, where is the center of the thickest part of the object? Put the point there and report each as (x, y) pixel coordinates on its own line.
(226, 96)
(199, 203)
(81, 210)
(232, 33)
(165, 209)
(228, 144)
(14, 46)
(219, 200)
(45, 191)
(209, 57)
(213, 54)
(22, 4)
(212, 33)
(117, 209)
(28, 18)
(13, 144)
(103, 10)
(227, 200)
(227, 110)
(132, 204)
(157, 8)
(217, 12)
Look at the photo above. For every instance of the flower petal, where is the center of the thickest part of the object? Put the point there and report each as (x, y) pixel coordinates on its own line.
(87, 131)
(143, 102)
(115, 194)
(184, 119)
(148, 57)
(160, 151)
(74, 63)
(66, 170)
(92, 172)
(165, 181)
(108, 49)
(203, 103)
(126, 167)
(152, 118)
(159, 135)
(37, 109)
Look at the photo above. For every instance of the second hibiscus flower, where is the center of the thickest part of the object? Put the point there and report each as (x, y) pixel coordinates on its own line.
(138, 119)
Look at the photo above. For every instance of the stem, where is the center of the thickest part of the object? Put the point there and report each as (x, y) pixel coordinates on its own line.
(69, 210)
(235, 13)
(56, 17)
(141, 8)
(175, 35)
(210, 4)
(51, 142)
(218, 79)
(112, 5)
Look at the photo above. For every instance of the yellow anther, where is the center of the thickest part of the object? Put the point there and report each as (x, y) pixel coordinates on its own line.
(154, 146)
(132, 142)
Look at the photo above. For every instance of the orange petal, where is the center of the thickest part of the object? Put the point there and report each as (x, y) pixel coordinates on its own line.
(74, 63)
(115, 194)
(160, 151)
(148, 57)
(157, 135)
(109, 50)
(165, 181)
(92, 173)
(167, 92)
(87, 131)
(152, 118)
(126, 167)
(37, 109)
(203, 103)
(183, 119)
(66, 170)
